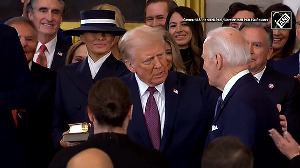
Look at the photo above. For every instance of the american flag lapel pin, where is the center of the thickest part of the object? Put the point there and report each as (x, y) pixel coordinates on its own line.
(175, 91)
(59, 53)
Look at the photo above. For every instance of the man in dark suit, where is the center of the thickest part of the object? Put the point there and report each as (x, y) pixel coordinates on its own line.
(75, 80)
(15, 93)
(47, 17)
(184, 104)
(31, 117)
(243, 110)
(282, 89)
(110, 109)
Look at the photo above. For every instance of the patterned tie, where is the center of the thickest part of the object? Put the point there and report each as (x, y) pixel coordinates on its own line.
(152, 119)
(42, 59)
(219, 105)
(256, 79)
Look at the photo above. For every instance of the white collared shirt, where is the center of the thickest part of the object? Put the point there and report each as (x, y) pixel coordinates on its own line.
(95, 66)
(49, 52)
(159, 97)
(232, 81)
(259, 74)
(30, 65)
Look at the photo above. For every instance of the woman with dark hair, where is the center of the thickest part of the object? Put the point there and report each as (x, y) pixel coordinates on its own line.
(241, 10)
(188, 36)
(109, 109)
(283, 40)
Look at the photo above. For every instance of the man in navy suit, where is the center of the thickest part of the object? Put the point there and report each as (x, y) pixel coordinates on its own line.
(15, 93)
(184, 104)
(243, 110)
(290, 65)
(39, 115)
(282, 89)
(47, 17)
(75, 80)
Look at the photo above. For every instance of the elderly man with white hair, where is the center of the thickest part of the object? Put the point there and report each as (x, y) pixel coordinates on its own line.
(243, 110)
(172, 112)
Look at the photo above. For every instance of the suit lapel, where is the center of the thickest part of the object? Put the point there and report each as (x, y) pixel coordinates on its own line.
(267, 81)
(172, 91)
(59, 56)
(138, 122)
(244, 79)
(81, 76)
(107, 69)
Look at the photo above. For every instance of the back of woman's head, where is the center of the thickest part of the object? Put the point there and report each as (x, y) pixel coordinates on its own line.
(109, 101)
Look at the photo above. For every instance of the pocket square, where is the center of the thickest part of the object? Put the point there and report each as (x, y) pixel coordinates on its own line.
(214, 127)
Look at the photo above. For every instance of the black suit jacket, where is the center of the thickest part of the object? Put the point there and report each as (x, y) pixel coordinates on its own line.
(247, 113)
(189, 108)
(284, 90)
(37, 120)
(15, 89)
(73, 84)
(60, 53)
(295, 162)
(123, 152)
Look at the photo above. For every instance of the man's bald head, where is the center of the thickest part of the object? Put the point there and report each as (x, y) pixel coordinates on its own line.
(90, 158)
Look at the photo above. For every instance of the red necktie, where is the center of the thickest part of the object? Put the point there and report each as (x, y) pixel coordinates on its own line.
(14, 114)
(42, 59)
(152, 119)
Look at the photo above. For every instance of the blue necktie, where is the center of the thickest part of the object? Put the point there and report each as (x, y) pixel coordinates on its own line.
(219, 105)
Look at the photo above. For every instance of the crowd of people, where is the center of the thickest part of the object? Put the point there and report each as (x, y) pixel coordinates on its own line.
(159, 95)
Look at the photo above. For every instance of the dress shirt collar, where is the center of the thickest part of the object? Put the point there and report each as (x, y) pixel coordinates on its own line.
(259, 74)
(232, 81)
(95, 66)
(143, 86)
(30, 65)
(50, 45)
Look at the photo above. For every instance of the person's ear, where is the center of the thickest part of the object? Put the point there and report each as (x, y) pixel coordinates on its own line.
(219, 61)
(129, 115)
(91, 116)
(129, 66)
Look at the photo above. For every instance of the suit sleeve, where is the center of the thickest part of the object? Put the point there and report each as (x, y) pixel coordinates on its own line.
(14, 72)
(60, 120)
(291, 109)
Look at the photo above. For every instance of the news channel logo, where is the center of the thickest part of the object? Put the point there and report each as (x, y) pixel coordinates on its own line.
(281, 20)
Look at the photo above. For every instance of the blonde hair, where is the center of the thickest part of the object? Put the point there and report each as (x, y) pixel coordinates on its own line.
(177, 63)
(119, 18)
(72, 50)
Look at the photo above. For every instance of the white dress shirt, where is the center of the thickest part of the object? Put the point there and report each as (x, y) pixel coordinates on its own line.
(159, 97)
(232, 81)
(49, 52)
(95, 66)
(259, 74)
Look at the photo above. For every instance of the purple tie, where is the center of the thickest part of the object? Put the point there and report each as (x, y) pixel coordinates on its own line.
(152, 119)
